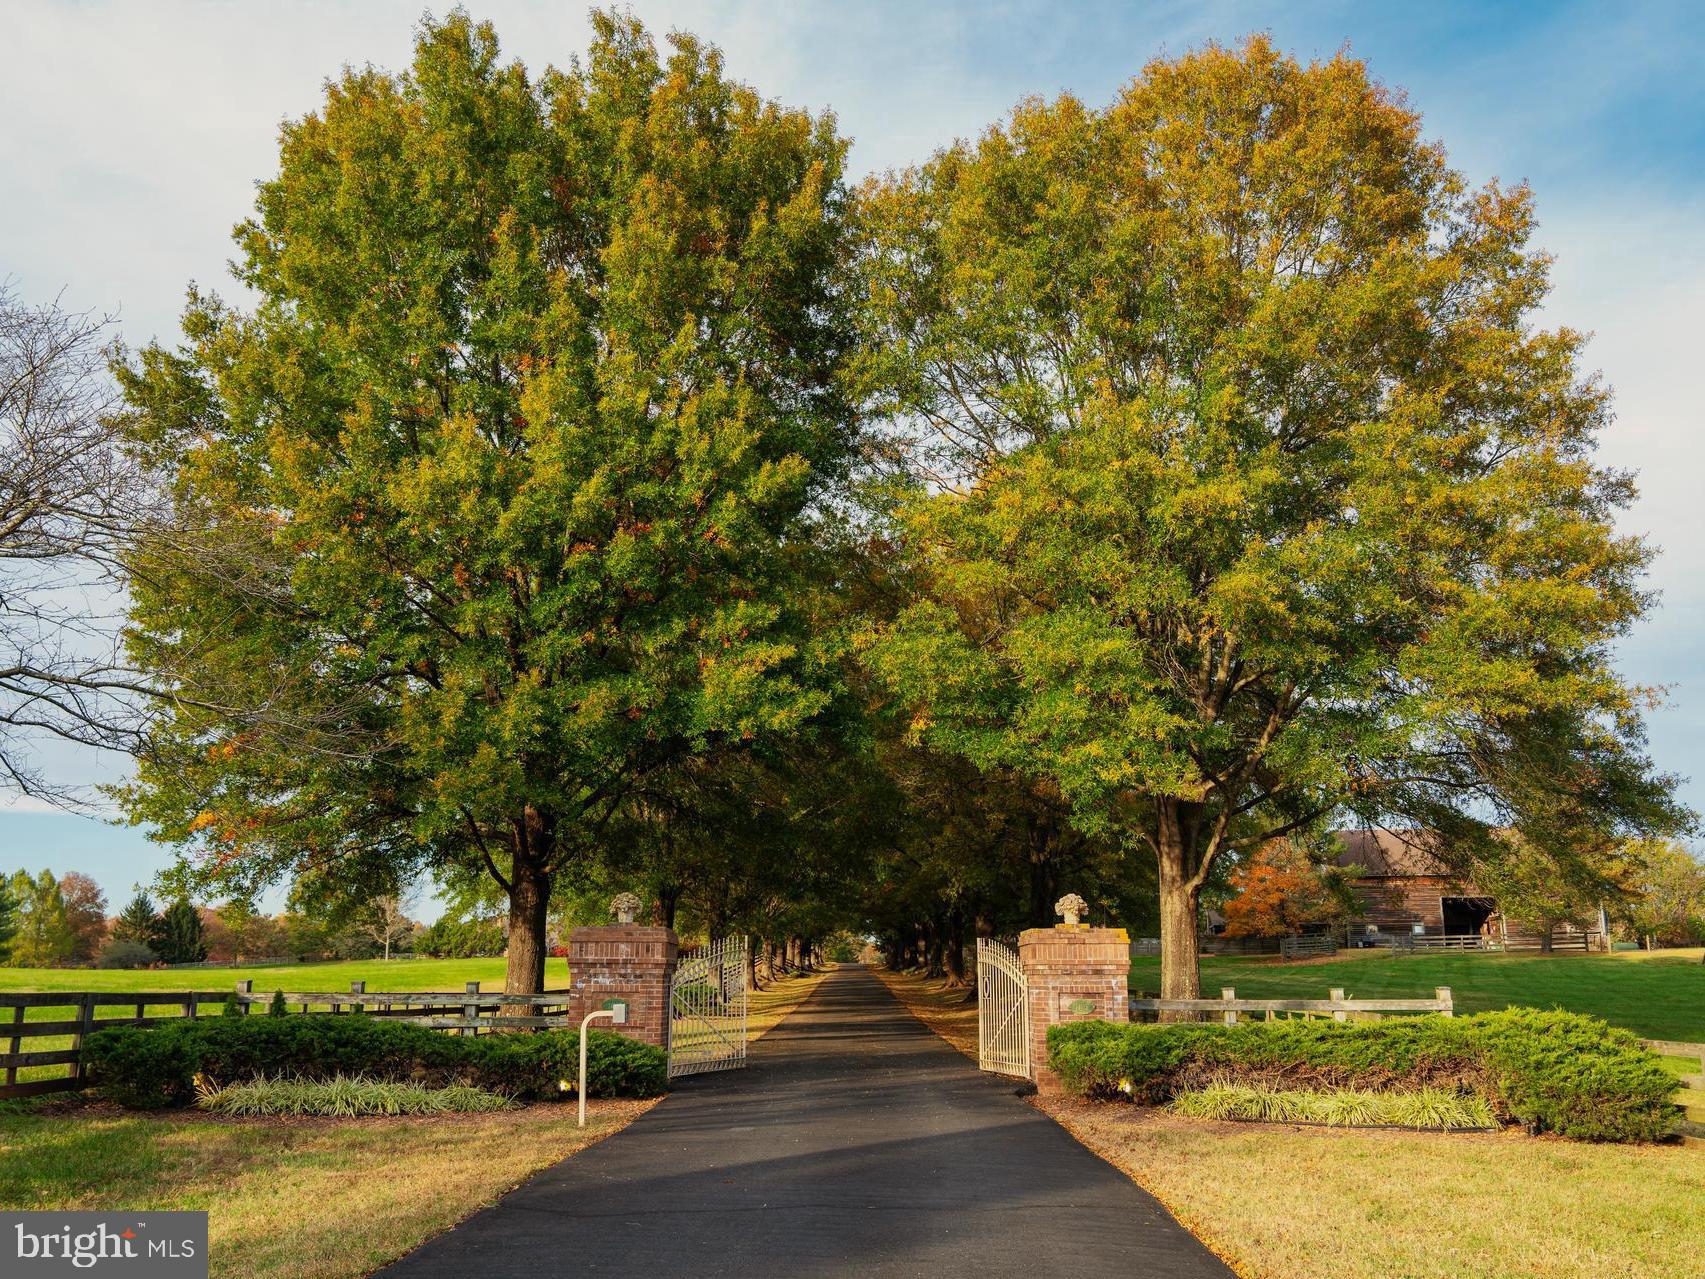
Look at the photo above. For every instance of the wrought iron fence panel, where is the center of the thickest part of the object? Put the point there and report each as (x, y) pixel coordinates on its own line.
(1003, 1010)
(707, 1009)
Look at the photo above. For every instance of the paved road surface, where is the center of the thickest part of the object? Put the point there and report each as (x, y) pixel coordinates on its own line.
(854, 1143)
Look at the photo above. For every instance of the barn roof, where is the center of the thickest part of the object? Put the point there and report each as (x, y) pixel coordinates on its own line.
(1397, 853)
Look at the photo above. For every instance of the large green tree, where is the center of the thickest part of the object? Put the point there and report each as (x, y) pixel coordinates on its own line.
(43, 938)
(1667, 903)
(486, 512)
(1246, 489)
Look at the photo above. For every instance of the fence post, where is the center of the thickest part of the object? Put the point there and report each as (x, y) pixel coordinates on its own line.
(358, 988)
(1444, 996)
(85, 1024)
(1228, 994)
(17, 1039)
(1337, 997)
(246, 987)
(471, 1011)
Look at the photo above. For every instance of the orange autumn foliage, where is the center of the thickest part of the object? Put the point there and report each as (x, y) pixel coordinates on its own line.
(1279, 891)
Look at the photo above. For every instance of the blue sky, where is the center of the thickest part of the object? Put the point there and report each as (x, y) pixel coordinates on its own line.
(134, 133)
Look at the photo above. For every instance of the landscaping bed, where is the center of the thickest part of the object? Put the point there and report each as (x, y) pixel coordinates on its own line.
(163, 1065)
(1550, 1071)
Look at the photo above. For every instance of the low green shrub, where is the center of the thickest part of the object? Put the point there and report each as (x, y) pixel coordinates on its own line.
(345, 1097)
(1423, 1108)
(1551, 1071)
(149, 1067)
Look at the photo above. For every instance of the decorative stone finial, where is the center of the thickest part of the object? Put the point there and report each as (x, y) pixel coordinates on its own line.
(1072, 907)
(625, 906)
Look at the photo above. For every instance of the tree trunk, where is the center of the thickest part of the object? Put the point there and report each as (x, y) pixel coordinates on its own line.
(1545, 939)
(752, 967)
(668, 896)
(529, 896)
(1180, 945)
(953, 951)
(1039, 837)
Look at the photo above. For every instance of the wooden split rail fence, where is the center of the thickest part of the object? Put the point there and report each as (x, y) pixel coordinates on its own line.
(62, 1015)
(1675, 1048)
(469, 1012)
(64, 1018)
(1312, 944)
(1338, 1006)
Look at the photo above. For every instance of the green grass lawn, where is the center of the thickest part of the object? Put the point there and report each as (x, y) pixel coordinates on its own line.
(398, 974)
(1658, 996)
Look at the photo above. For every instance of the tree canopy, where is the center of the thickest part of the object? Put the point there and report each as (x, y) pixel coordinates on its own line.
(492, 507)
(1244, 488)
(598, 493)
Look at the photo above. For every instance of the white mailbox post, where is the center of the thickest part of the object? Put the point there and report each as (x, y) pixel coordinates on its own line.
(617, 1012)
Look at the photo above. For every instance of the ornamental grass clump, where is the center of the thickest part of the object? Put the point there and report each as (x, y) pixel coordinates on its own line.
(1343, 1107)
(343, 1097)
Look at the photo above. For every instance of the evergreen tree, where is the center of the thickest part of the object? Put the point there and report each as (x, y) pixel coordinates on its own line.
(180, 937)
(138, 922)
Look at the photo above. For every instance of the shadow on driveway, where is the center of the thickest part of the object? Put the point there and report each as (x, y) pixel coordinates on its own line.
(855, 1143)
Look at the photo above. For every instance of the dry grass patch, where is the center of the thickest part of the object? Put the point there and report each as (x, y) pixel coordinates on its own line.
(1290, 1203)
(313, 1199)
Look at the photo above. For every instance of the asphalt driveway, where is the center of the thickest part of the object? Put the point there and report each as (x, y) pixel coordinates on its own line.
(855, 1143)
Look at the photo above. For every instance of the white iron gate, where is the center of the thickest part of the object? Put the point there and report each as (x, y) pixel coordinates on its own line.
(707, 1009)
(1003, 1010)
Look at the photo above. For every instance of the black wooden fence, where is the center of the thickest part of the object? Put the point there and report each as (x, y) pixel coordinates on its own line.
(61, 1020)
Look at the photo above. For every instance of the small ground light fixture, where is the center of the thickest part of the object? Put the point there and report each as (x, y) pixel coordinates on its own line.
(617, 1011)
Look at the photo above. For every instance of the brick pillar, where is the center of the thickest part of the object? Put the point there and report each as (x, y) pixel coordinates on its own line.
(623, 961)
(1075, 973)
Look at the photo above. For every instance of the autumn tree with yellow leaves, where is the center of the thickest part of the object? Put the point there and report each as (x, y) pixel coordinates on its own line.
(1245, 487)
(494, 505)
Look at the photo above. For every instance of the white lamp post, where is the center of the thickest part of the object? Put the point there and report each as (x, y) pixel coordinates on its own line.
(617, 1012)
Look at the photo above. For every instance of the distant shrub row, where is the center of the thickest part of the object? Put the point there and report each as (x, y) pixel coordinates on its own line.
(149, 1067)
(1551, 1071)
(461, 939)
